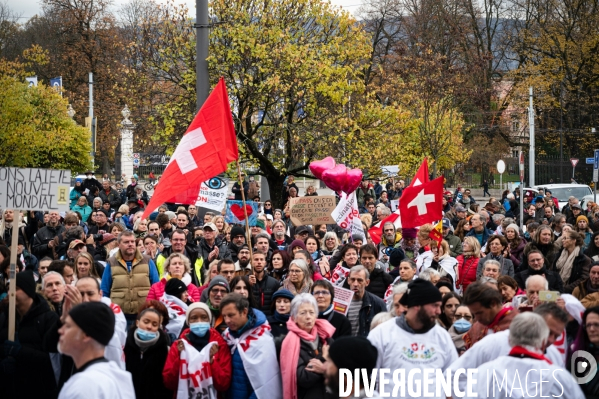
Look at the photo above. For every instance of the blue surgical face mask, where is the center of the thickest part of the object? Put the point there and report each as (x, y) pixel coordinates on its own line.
(200, 328)
(461, 326)
(144, 335)
(314, 255)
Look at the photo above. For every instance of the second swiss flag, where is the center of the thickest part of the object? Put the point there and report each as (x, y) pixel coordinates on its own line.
(422, 204)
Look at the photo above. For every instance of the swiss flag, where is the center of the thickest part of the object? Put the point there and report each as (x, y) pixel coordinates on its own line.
(204, 152)
(422, 204)
(376, 231)
(421, 176)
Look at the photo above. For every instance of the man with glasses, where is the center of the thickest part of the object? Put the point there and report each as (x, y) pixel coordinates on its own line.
(237, 241)
(302, 232)
(217, 290)
(324, 293)
(389, 240)
(101, 220)
(460, 214)
(243, 266)
(179, 246)
(536, 267)
(211, 247)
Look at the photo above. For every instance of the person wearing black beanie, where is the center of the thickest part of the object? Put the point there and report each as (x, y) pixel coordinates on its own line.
(176, 288)
(86, 331)
(342, 354)
(415, 340)
(26, 356)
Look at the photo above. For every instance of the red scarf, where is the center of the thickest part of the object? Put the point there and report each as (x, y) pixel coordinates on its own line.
(521, 352)
(499, 316)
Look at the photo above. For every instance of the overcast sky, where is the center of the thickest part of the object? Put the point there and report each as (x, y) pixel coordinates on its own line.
(28, 8)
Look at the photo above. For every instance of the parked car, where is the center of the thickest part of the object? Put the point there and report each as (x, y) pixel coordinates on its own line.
(564, 191)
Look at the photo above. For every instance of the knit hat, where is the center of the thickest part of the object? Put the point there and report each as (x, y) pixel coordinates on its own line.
(345, 356)
(582, 217)
(260, 223)
(513, 226)
(237, 231)
(219, 280)
(26, 282)
(409, 233)
(171, 215)
(297, 243)
(282, 294)
(357, 237)
(198, 305)
(107, 239)
(95, 319)
(420, 292)
(175, 287)
(396, 256)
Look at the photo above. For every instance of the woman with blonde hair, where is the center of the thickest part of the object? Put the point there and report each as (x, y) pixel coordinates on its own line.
(330, 243)
(221, 225)
(175, 266)
(467, 264)
(84, 267)
(140, 228)
(299, 279)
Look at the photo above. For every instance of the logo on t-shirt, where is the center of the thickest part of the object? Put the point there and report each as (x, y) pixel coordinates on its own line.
(418, 351)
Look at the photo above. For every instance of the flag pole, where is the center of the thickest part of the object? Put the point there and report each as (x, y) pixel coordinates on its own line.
(245, 212)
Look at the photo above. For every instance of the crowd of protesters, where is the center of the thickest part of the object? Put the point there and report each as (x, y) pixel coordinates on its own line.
(109, 304)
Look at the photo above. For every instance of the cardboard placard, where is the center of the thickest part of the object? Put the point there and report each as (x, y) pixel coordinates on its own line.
(312, 210)
(342, 300)
(35, 189)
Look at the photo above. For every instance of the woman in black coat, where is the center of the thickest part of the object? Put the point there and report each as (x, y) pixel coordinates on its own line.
(281, 306)
(325, 308)
(145, 355)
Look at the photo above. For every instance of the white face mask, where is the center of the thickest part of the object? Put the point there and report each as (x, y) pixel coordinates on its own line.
(89, 176)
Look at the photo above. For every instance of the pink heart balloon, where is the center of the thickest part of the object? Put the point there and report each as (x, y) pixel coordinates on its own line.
(317, 167)
(352, 180)
(335, 178)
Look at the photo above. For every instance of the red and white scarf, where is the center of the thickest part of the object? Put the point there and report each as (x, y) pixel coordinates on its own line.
(257, 350)
(176, 312)
(195, 373)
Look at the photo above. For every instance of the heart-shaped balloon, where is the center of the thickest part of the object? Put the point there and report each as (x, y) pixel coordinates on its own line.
(335, 178)
(317, 167)
(352, 180)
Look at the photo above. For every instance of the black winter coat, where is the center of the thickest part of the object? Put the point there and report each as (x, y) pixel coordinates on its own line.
(33, 375)
(339, 321)
(112, 196)
(379, 282)
(263, 291)
(204, 250)
(371, 306)
(553, 278)
(278, 327)
(41, 239)
(310, 385)
(146, 367)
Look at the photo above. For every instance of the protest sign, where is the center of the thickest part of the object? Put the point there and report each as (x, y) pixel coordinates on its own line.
(312, 210)
(339, 275)
(212, 196)
(347, 215)
(394, 205)
(35, 189)
(342, 300)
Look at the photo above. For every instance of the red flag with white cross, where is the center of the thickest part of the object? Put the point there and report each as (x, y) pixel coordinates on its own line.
(204, 152)
(421, 204)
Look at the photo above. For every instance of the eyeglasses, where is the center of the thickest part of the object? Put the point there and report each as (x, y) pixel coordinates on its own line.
(295, 271)
(462, 316)
(590, 326)
(219, 292)
(267, 205)
(321, 293)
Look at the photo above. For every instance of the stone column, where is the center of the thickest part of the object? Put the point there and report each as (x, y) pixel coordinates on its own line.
(126, 128)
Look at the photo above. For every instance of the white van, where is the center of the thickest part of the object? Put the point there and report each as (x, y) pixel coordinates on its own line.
(564, 191)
